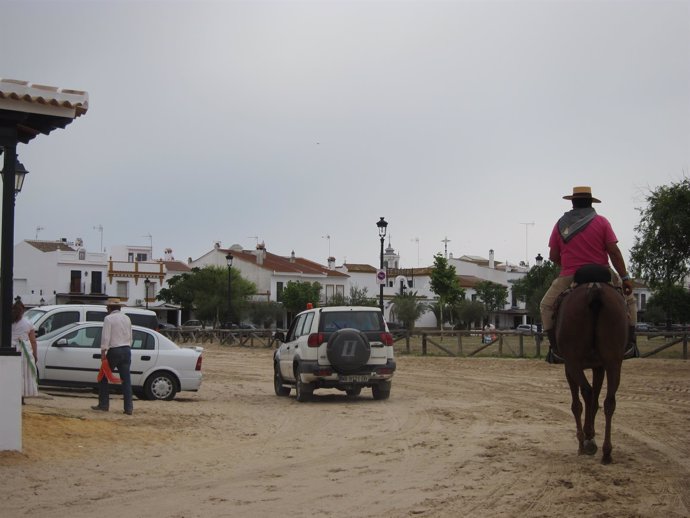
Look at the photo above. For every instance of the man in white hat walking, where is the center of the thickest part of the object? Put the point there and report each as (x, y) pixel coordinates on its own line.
(116, 342)
(580, 237)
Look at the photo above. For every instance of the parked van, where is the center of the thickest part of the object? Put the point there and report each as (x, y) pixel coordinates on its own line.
(49, 318)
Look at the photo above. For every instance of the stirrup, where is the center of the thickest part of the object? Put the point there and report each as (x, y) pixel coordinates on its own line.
(553, 358)
(631, 352)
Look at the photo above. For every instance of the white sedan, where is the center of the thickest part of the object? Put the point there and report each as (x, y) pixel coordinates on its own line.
(71, 357)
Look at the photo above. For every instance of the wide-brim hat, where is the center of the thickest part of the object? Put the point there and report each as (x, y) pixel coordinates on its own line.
(114, 301)
(582, 192)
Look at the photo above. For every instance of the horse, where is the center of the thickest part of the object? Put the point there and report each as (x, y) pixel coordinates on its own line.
(591, 333)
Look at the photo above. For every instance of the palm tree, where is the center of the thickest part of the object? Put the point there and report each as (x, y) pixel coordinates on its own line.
(407, 309)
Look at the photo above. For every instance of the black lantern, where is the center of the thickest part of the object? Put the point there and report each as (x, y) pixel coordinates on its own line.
(147, 283)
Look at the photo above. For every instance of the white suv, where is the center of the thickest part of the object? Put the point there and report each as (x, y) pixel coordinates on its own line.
(342, 347)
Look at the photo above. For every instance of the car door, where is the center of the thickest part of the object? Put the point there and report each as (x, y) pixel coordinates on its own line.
(289, 347)
(74, 356)
(144, 355)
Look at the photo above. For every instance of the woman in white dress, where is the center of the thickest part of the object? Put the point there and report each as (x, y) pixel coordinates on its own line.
(24, 341)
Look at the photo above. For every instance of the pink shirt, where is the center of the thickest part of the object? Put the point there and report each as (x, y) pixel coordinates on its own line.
(587, 247)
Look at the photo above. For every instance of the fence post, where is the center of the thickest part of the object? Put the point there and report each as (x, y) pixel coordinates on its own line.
(423, 344)
(407, 341)
(459, 343)
(522, 345)
(500, 345)
(537, 340)
(685, 346)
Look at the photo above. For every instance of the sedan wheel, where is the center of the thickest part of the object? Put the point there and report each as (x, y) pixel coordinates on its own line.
(160, 385)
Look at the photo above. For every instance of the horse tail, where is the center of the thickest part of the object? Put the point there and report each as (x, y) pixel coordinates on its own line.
(594, 303)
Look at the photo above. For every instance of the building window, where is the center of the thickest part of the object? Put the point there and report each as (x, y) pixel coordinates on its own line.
(643, 300)
(96, 282)
(130, 257)
(329, 292)
(142, 257)
(123, 289)
(279, 291)
(340, 290)
(75, 281)
(82, 255)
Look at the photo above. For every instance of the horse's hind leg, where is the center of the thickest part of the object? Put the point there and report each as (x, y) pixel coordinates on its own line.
(576, 407)
(597, 382)
(613, 378)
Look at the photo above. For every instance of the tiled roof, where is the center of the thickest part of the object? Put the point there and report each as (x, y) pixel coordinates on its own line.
(45, 108)
(360, 268)
(468, 281)
(281, 264)
(51, 246)
(176, 266)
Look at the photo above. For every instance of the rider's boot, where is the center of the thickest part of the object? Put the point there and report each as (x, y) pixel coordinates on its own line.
(552, 355)
(632, 351)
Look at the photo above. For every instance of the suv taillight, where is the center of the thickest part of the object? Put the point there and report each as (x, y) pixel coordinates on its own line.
(316, 339)
(198, 364)
(387, 339)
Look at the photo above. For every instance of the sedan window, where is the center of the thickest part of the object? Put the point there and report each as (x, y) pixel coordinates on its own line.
(143, 340)
(84, 337)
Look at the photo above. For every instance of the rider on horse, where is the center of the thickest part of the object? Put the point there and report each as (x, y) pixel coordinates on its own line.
(581, 237)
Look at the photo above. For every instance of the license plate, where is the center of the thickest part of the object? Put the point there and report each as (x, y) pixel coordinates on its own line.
(355, 378)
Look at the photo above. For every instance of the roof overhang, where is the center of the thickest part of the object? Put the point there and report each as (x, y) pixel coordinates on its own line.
(38, 109)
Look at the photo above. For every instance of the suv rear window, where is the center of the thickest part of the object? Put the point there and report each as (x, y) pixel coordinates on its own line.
(149, 321)
(363, 320)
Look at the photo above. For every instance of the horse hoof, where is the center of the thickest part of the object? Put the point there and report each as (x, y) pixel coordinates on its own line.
(606, 459)
(589, 447)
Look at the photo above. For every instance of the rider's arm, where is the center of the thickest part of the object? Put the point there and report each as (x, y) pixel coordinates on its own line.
(555, 255)
(619, 265)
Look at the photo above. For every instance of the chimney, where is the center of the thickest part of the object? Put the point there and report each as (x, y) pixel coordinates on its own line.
(492, 265)
(260, 253)
(331, 263)
(292, 257)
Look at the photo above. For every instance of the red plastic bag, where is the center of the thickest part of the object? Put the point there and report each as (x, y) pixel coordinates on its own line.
(107, 372)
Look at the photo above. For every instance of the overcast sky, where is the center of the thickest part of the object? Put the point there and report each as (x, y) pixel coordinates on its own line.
(286, 121)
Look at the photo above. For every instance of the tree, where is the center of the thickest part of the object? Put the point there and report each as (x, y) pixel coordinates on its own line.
(205, 291)
(265, 313)
(531, 288)
(296, 295)
(360, 297)
(468, 311)
(676, 298)
(661, 253)
(492, 295)
(444, 283)
(407, 308)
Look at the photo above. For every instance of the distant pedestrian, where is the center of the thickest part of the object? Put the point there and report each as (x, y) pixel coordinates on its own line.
(116, 343)
(24, 341)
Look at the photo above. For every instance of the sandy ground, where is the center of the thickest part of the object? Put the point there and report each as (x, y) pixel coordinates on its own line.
(458, 437)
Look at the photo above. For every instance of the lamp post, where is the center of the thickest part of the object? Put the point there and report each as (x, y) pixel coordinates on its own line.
(228, 259)
(147, 283)
(539, 260)
(13, 173)
(382, 224)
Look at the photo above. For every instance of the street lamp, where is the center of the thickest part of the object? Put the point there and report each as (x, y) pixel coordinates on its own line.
(539, 260)
(20, 173)
(228, 259)
(147, 283)
(382, 224)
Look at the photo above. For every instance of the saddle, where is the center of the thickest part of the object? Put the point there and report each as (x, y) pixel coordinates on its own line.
(586, 274)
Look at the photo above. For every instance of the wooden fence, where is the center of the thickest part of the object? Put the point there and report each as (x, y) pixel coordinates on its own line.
(447, 343)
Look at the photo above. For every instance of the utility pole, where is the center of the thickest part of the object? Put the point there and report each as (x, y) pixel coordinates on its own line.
(527, 225)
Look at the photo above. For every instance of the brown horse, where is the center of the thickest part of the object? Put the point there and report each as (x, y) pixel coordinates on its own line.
(591, 333)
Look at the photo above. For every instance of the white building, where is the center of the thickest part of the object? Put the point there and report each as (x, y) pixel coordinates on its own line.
(271, 273)
(59, 272)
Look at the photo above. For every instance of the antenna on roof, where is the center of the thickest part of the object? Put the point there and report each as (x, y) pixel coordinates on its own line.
(38, 229)
(254, 237)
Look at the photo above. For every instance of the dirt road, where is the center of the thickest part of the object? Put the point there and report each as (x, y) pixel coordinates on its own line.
(459, 437)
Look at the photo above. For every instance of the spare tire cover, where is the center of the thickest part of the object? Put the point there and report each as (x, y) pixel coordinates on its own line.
(348, 349)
